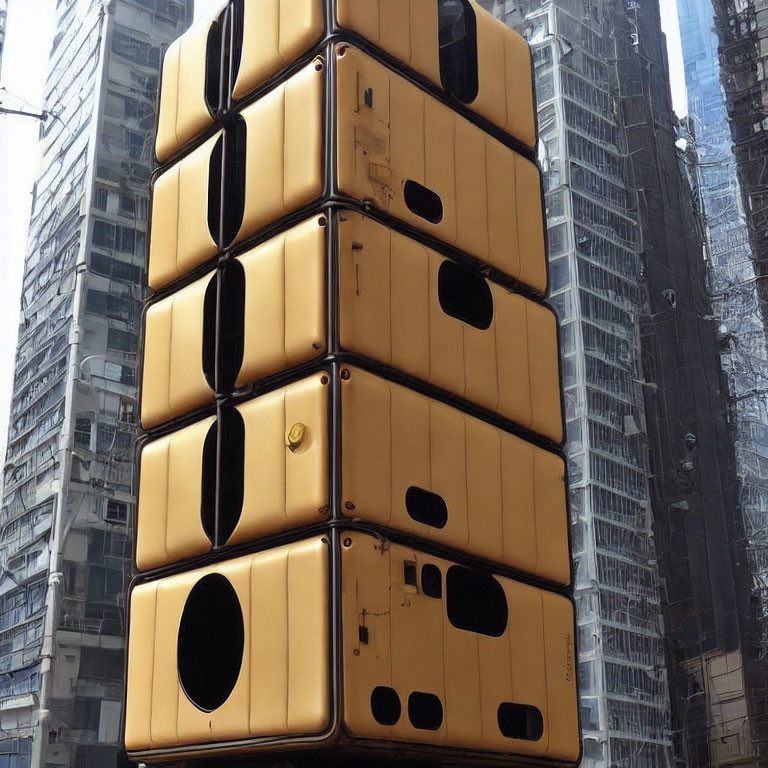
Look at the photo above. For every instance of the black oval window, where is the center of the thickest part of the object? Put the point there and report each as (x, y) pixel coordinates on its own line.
(213, 66)
(423, 202)
(210, 301)
(426, 507)
(210, 642)
(238, 24)
(215, 171)
(520, 721)
(475, 601)
(234, 181)
(458, 48)
(231, 472)
(465, 295)
(231, 336)
(385, 705)
(425, 711)
(208, 491)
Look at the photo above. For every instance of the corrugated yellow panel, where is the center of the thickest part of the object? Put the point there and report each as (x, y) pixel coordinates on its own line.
(408, 30)
(170, 498)
(265, 668)
(180, 239)
(450, 656)
(285, 305)
(405, 305)
(286, 459)
(413, 157)
(284, 150)
(275, 34)
(184, 112)
(419, 466)
(174, 382)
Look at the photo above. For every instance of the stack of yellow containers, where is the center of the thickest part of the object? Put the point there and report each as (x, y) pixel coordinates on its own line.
(352, 533)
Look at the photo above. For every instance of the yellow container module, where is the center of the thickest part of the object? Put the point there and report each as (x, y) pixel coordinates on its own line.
(178, 349)
(430, 653)
(407, 462)
(456, 46)
(190, 84)
(399, 303)
(395, 148)
(183, 232)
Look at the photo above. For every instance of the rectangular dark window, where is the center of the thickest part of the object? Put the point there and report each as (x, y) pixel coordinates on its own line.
(125, 240)
(101, 264)
(129, 272)
(127, 205)
(87, 714)
(117, 511)
(122, 341)
(134, 144)
(104, 234)
(101, 198)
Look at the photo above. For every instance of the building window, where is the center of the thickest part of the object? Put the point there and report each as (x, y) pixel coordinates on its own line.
(122, 341)
(117, 511)
(83, 433)
(101, 198)
(87, 714)
(139, 51)
(125, 240)
(114, 268)
(127, 204)
(127, 411)
(134, 144)
(111, 305)
(122, 373)
(104, 234)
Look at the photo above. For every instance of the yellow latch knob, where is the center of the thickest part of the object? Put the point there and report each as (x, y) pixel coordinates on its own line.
(295, 436)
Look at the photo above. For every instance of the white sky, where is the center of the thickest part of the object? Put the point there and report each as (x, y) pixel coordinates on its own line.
(25, 58)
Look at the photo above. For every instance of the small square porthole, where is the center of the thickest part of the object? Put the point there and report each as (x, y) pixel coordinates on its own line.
(409, 573)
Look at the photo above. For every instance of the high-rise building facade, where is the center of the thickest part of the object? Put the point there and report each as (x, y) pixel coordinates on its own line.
(65, 537)
(734, 287)
(595, 250)
(741, 28)
(660, 592)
